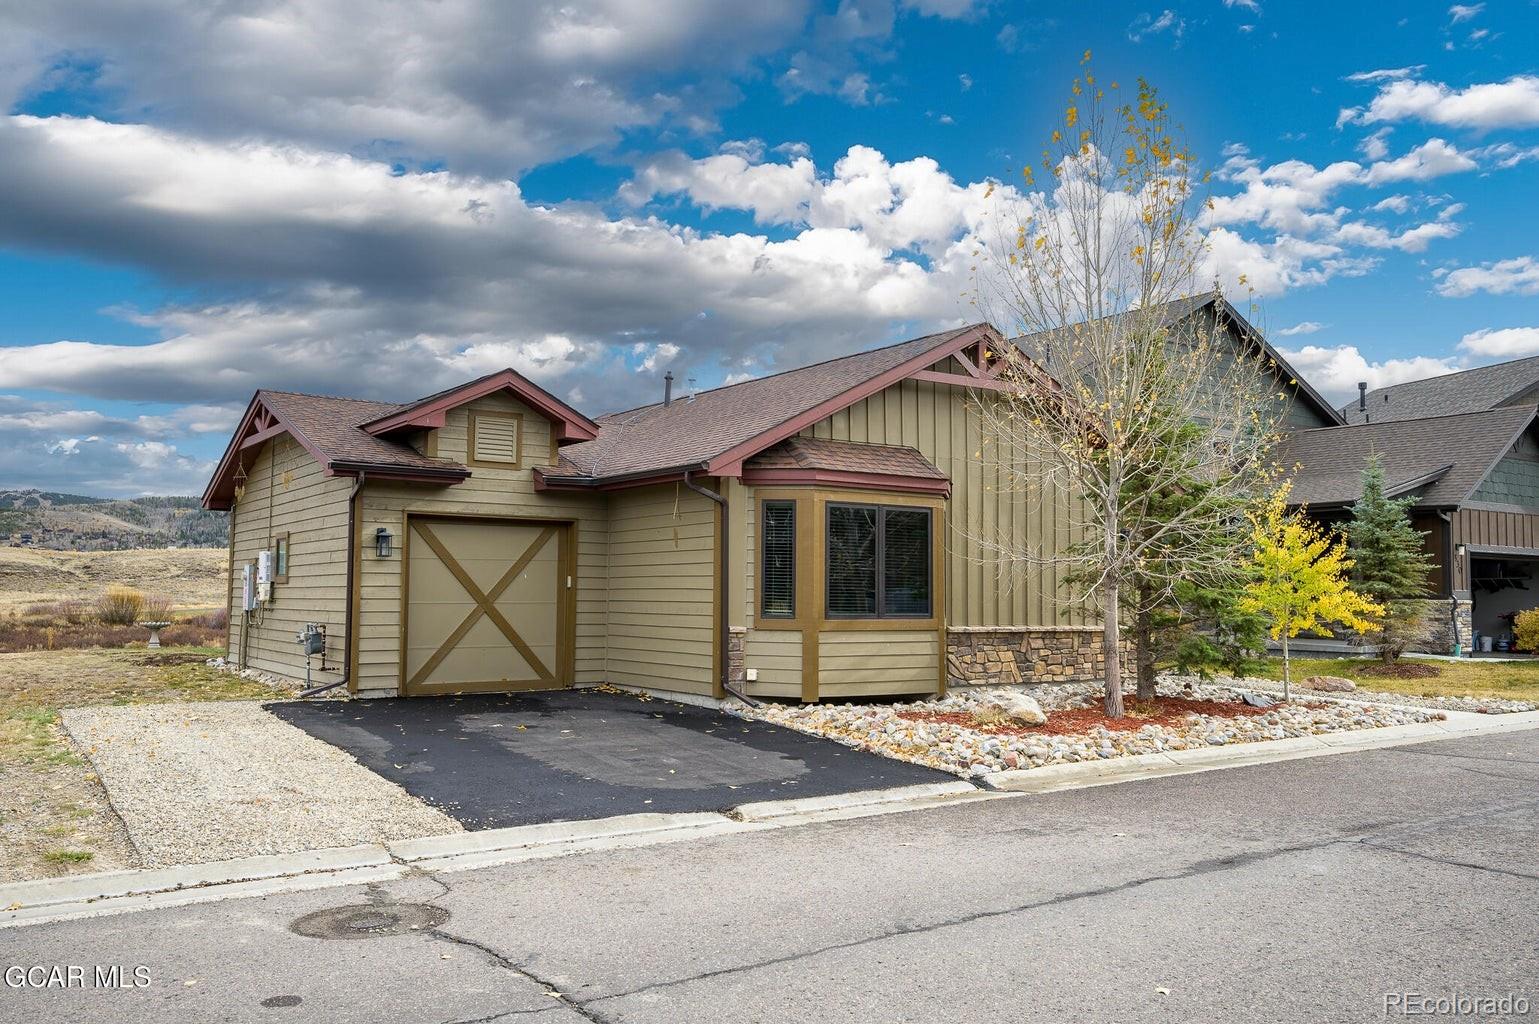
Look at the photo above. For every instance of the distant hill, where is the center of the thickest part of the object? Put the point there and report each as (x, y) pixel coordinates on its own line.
(78, 522)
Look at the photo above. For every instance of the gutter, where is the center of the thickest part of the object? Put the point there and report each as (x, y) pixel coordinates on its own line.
(721, 583)
(347, 601)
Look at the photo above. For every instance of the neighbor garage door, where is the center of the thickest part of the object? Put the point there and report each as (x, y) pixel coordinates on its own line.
(484, 606)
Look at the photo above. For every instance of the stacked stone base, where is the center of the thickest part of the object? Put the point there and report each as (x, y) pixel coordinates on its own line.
(1002, 657)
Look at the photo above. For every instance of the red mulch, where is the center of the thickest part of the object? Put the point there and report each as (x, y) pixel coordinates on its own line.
(1139, 713)
(1402, 670)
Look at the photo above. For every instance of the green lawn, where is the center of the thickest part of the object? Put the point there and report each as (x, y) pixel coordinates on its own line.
(1516, 680)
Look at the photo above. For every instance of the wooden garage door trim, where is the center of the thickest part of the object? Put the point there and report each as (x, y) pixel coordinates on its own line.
(564, 531)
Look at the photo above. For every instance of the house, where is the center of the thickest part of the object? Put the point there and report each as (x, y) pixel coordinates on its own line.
(1475, 477)
(812, 535)
(1500, 385)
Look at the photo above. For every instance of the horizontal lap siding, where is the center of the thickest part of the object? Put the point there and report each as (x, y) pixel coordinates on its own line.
(288, 492)
(777, 657)
(489, 492)
(870, 662)
(662, 558)
(939, 421)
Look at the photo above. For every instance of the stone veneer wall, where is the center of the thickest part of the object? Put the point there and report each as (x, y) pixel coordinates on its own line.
(737, 637)
(983, 657)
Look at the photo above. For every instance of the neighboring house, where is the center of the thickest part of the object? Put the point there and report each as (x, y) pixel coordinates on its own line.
(1475, 476)
(1486, 387)
(816, 534)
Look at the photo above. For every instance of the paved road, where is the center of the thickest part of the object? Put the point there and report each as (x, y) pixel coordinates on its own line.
(1304, 891)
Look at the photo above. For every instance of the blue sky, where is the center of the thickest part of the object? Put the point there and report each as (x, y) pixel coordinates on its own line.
(381, 201)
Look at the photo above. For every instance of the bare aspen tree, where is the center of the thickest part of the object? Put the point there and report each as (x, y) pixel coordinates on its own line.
(1120, 398)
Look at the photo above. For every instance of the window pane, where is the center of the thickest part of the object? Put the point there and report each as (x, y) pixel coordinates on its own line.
(779, 560)
(905, 561)
(851, 560)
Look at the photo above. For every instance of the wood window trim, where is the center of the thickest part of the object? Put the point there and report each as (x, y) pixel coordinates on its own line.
(796, 558)
(518, 440)
(879, 566)
(281, 565)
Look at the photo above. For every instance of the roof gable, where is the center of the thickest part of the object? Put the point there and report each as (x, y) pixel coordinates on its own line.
(570, 426)
(330, 430)
(716, 430)
(1442, 459)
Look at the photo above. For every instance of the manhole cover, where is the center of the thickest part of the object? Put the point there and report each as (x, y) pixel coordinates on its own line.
(370, 920)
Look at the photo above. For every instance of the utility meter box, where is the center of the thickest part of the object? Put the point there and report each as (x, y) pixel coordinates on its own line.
(248, 593)
(264, 567)
(312, 639)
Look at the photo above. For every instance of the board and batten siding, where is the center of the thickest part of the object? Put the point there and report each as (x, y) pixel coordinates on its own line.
(872, 662)
(490, 491)
(939, 421)
(287, 492)
(662, 589)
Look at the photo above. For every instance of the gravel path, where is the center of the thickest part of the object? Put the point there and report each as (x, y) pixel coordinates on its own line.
(197, 782)
(973, 750)
(1479, 705)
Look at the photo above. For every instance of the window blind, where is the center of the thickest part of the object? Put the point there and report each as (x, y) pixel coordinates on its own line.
(851, 560)
(778, 560)
(905, 561)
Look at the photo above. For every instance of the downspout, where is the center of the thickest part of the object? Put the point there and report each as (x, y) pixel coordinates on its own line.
(721, 582)
(347, 601)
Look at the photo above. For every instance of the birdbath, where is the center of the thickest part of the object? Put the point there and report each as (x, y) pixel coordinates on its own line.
(154, 628)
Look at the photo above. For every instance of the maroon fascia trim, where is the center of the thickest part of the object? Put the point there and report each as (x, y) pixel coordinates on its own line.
(570, 425)
(260, 423)
(845, 478)
(730, 462)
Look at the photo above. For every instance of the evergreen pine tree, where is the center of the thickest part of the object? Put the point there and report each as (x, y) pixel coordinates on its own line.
(1390, 564)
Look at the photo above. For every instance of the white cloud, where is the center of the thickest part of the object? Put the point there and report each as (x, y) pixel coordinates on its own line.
(439, 276)
(1392, 204)
(1307, 327)
(476, 83)
(1271, 268)
(1290, 196)
(1503, 343)
(1518, 276)
(1505, 155)
(1433, 158)
(1253, 6)
(1387, 74)
(1376, 146)
(58, 446)
(1464, 12)
(1146, 25)
(965, 81)
(1510, 104)
(1335, 370)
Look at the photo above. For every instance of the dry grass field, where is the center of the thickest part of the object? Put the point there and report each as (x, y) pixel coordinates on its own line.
(54, 814)
(193, 578)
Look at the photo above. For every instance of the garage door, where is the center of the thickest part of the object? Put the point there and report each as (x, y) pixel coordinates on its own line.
(484, 606)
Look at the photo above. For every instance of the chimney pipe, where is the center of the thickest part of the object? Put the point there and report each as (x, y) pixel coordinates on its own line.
(668, 388)
(1362, 396)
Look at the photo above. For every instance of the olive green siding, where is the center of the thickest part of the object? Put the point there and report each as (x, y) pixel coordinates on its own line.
(942, 423)
(660, 612)
(286, 491)
(870, 662)
(490, 491)
(777, 657)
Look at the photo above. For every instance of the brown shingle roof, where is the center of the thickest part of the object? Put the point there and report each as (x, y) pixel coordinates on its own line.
(331, 426)
(1484, 387)
(1444, 458)
(845, 457)
(691, 431)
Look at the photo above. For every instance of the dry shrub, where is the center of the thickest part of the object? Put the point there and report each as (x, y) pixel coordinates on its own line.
(71, 612)
(218, 619)
(119, 606)
(155, 608)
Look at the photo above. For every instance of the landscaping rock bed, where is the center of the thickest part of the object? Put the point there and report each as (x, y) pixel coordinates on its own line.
(964, 732)
(1478, 705)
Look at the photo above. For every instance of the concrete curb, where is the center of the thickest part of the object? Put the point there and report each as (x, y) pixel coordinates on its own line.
(116, 892)
(771, 810)
(1084, 774)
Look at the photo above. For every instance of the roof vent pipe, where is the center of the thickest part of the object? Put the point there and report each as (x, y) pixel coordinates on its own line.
(1362, 396)
(668, 388)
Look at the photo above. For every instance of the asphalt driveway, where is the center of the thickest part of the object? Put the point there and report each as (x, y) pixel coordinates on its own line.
(494, 761)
